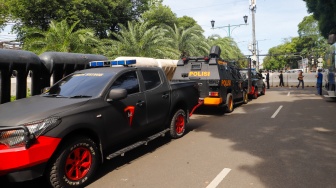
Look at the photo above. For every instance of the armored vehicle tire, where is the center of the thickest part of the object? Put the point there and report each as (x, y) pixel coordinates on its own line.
(177, 124)
(255, 94)
(74, 164)
(229, 103)
(245, 97)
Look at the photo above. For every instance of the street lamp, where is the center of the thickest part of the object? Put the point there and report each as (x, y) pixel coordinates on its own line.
(229, 26)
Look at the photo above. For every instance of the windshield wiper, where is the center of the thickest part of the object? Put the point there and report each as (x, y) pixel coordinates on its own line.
(80, 96)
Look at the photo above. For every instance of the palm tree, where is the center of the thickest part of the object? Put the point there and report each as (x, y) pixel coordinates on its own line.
(229, 49)
(138, 39)
(61, 37)
(190, 41)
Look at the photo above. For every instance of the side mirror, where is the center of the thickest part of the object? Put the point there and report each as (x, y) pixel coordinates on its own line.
(116, 94)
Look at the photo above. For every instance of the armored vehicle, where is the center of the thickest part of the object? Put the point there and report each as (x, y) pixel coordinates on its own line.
(220, 82)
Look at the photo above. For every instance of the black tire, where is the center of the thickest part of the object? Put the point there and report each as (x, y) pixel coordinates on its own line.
(229, 103)
(177, 124)
(256, 93)
(78, 155)
(263, 91)
(245, 97)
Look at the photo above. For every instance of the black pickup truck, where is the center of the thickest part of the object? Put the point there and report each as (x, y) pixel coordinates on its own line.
(87, 117)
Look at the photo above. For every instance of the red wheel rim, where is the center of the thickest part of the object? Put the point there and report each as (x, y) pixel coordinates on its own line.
(179, 124)
(78, 163)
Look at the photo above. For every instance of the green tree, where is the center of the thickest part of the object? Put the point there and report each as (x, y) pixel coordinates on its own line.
(138, 39)
(4, 17)
(310, 44)
(324, 13)
(103, 15)
(229, 49)
(280, 56)
(189, 42)
(186, 22)
(159, 15)
(61, 37)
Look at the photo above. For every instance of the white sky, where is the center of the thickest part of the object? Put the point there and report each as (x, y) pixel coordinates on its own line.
(6, 35)
(275, 20)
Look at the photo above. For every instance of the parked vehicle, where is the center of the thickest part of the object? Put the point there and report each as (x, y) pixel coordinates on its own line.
(90, 116)
(219, 80)
(258, 86)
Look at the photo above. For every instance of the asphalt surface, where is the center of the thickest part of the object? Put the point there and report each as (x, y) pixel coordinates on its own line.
(284, 139)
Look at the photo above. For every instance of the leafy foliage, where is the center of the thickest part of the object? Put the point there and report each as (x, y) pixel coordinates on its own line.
(101, 15)
(186, 22)
(113, 28)
(159, 15)
(3, 13)
(62, 38)
(139, 39)
(230, 49)
(310, 44)
(189, 42)
(324, 12)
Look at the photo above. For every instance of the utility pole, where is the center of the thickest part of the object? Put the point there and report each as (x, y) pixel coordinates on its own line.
(253, 7)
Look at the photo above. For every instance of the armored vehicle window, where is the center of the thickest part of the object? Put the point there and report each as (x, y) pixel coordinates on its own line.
(196, 66)
(128, 81)
(151, 79)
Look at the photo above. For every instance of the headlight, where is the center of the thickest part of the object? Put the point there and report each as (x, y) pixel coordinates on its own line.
(18, 137)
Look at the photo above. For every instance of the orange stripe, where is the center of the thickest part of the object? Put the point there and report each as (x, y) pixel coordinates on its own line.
(212, 101)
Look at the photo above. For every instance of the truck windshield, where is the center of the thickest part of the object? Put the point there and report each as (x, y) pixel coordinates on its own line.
(80, 85)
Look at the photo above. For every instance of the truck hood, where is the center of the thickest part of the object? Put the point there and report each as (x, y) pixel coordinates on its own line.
(35, 108)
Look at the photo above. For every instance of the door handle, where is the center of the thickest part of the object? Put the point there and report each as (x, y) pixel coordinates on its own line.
(165, 96)
(140, 103)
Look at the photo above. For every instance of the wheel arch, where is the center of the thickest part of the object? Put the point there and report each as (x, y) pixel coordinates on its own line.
(84, 132)
(178, 105)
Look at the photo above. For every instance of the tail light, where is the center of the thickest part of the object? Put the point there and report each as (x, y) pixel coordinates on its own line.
(213, 94)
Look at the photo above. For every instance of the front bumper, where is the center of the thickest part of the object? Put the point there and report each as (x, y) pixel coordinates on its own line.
(16, 160)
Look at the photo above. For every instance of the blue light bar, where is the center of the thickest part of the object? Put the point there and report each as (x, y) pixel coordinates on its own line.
(123, 62)
(99, 63)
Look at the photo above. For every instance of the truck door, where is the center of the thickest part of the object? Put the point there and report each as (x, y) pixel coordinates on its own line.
(126, 118)
(158, 97)
(237, 83)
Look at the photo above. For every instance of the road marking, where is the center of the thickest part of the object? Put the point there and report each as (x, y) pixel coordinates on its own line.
(276, 112)
(288, 94)
(219, 178)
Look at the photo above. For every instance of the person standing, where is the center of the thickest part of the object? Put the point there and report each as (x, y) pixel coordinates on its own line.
(319, 78)
(267, 79)
(281, 79)
(300, 78)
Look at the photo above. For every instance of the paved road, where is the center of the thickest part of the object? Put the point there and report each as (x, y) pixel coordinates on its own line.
(283, 139)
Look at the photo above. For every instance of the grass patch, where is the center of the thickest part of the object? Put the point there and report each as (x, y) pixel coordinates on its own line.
(13, 98)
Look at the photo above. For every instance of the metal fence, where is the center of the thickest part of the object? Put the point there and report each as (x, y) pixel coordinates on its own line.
(40, 69)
